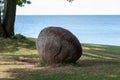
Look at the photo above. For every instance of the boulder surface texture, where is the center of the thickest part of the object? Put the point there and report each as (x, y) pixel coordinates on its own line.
(58, 45)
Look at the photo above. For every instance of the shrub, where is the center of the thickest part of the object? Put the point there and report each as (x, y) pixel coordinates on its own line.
(18, 36)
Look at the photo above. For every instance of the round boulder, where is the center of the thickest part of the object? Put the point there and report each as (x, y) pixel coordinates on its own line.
(58, 45)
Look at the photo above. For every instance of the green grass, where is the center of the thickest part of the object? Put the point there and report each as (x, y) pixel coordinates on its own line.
(19, 61)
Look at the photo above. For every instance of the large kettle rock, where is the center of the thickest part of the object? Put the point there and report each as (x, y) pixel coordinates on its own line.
(58, 45)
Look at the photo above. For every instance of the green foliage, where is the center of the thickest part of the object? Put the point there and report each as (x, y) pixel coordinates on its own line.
(18, 36)
(23, 2)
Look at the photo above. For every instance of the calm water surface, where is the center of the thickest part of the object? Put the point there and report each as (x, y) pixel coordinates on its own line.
(97, 29)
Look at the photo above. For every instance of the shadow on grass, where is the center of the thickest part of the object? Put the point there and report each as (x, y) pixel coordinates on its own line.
(23, 74)
(10, 49)
(12, 45)
(101, 52)
(94, 56)
(33, 58)
(85, 70)
(96, 63)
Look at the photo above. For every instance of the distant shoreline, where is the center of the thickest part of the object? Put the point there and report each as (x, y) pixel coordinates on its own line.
(68, 15)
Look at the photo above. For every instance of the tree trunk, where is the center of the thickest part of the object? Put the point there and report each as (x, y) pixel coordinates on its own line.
(7, 26)
(1, 30)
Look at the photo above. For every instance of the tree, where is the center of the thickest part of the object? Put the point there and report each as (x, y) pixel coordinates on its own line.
(8, 18)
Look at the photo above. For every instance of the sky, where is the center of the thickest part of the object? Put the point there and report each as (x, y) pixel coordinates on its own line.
(77, 7)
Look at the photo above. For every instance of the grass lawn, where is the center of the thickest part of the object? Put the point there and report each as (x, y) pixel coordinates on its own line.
(19, 61)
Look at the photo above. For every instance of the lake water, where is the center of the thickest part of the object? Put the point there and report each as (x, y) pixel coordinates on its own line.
(97, 29)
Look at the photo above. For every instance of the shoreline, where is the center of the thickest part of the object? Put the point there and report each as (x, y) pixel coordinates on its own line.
(80, 42)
